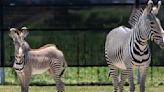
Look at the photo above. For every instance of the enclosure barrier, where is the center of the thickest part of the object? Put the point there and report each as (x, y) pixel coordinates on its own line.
(82, 38)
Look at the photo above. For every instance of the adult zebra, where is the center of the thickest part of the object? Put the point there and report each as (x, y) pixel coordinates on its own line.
(126, 48)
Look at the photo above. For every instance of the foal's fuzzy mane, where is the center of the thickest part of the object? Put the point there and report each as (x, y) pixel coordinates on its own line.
(45, 46)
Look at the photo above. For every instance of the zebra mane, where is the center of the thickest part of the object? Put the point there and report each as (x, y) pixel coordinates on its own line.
(134, 17)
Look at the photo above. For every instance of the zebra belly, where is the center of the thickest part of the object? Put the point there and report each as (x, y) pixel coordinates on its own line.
(120, 65)
(39, 70)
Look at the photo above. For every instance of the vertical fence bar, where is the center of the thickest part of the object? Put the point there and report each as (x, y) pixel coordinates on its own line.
(2, 73)
(151, 64)
(98, 75)
(78, 51)
(137, 3)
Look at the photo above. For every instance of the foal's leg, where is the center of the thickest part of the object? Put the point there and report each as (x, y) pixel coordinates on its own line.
(24, 81)
(55, 69)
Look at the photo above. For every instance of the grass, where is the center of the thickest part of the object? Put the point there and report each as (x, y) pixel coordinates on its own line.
(80, 75)
(85, 75)
(76, 89)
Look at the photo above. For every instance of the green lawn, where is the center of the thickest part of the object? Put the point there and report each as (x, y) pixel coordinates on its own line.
(85, 75)
(76, 89)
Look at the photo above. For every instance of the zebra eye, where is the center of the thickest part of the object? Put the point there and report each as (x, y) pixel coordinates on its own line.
(18, 56)
(152, 23)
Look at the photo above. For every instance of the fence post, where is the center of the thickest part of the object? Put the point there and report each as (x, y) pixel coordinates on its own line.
(78, 58)
(2, 76)
(2, 73)
(137, 3)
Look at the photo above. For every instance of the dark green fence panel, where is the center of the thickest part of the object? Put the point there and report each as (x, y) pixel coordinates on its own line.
(81, 48)
(79, 31)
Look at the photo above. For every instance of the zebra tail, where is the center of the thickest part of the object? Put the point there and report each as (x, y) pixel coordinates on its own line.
(108, 61)
(107, 58)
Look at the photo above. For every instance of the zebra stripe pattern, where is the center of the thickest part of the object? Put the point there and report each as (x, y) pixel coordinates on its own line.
(29, 61)
(126, 48)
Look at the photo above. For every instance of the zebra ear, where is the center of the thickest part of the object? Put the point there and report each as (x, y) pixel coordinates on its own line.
(13, 33)
(24, 32)
(155, 9)
(149, 6)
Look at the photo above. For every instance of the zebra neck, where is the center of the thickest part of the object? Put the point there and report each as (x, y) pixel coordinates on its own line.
(139, 48)
(27, 46)
(139, 36)
(139, 45)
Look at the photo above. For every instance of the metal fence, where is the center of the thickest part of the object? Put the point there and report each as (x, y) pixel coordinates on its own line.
(78, 29)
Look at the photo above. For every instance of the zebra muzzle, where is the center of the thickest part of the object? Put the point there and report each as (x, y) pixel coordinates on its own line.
(18, 66)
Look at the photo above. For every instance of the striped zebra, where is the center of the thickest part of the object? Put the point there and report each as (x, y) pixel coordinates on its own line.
(127, 48)
(29, 61)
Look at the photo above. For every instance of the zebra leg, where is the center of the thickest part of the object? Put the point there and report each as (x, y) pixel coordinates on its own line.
(122, 80)
(55, 72)
(129, 72)
(59, 85)
(143, 71)
(114, 75)
(24, 81)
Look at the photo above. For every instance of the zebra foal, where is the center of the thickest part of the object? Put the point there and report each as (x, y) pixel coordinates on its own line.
(126, 48)
(29, 61)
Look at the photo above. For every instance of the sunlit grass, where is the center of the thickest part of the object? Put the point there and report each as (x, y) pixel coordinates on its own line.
(76, 89)
(75, 75)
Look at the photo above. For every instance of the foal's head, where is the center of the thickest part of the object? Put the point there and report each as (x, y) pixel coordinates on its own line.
(19, 43)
